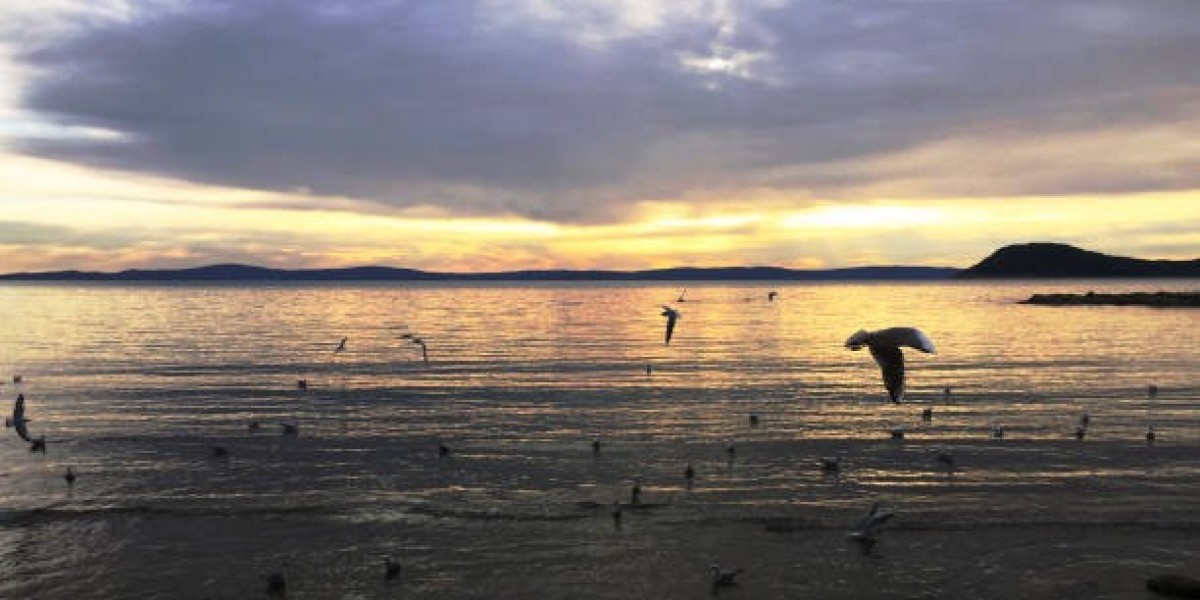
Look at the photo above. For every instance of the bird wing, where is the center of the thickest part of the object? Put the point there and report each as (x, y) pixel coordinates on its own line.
(906, 336)
(891, 362)
(19, 425)
(671, 317)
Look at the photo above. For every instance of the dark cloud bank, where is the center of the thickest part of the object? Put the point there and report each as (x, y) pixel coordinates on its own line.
(444, 103)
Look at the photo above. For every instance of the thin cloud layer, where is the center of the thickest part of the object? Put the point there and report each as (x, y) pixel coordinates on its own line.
(571, 112)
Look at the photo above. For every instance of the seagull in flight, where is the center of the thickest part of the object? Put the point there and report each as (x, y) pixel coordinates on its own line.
(672, 315)
(865, 529)
(885, 348)
(18, 422)
(341, 347)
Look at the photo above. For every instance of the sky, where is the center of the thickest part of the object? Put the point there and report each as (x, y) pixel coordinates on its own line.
(485, 135)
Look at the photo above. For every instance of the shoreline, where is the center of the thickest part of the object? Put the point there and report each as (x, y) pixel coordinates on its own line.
(1159, 299)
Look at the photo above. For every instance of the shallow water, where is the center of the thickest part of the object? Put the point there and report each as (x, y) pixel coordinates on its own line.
(135, 386)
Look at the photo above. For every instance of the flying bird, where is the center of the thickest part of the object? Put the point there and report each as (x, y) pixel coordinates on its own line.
(672, 315)
(681, 295)
(885, 348)
(19, 422)
(869, 525)
(341, 346)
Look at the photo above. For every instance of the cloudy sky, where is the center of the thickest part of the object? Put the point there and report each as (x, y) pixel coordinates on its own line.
(471, 135)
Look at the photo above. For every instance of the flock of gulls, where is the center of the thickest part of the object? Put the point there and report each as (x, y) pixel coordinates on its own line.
(884, 345)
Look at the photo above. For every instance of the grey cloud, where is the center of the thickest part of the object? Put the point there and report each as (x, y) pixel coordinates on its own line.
(425, 103)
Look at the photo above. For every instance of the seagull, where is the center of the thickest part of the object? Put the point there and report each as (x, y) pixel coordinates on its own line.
(753, 420)
(391, 568)
(220, 452)
(69, 476)
(927, 414)
(16, 379)
(18, 422)
(596, 446)
(672, 315)
(1085, 420)
(689, 474)
(341, 346)
(18, 419)
(865, 529)
(897, 433)
(616, 513)
(289, 429)
(830, 466)
(649, 369)
(1150, 434)
(253, 427)
(724, 577)
(681, 295)
(997, 432)
(885, 348)
(772, 295)
(1152, 391)
(277, 582)
(424, 351)
(443, 450)
(1080, 432)
(946, 460)
(635, 493)
(302, 384)
(731, 451)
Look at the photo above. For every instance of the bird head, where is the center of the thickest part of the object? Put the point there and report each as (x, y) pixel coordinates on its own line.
(858, 340)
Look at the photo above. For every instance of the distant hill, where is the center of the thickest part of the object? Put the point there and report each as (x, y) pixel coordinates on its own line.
(232, 272)
(1039, 260)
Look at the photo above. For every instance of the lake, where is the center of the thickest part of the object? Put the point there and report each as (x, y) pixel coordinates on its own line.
(135, 387)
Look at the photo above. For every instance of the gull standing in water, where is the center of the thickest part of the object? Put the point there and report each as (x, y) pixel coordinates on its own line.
(672, 315)
(885, 348)
(341, 347)
(424, 350)
(723, 577)
(391, 568)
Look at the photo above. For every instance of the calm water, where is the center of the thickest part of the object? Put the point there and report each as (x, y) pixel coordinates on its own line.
(135, 386)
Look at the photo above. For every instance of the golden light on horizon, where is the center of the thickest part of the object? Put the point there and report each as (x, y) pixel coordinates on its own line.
(111, 220)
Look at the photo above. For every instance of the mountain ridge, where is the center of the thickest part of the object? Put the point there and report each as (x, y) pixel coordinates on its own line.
(241, 272)
(1048, 260)
(1033, 260)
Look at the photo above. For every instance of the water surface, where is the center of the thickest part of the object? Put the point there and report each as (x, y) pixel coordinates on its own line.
(135, 386)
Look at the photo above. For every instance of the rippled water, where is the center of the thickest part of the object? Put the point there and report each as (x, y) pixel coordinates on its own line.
(135, 386)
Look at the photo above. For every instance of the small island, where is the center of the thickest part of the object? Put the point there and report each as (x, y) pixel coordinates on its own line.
(1154, 299)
